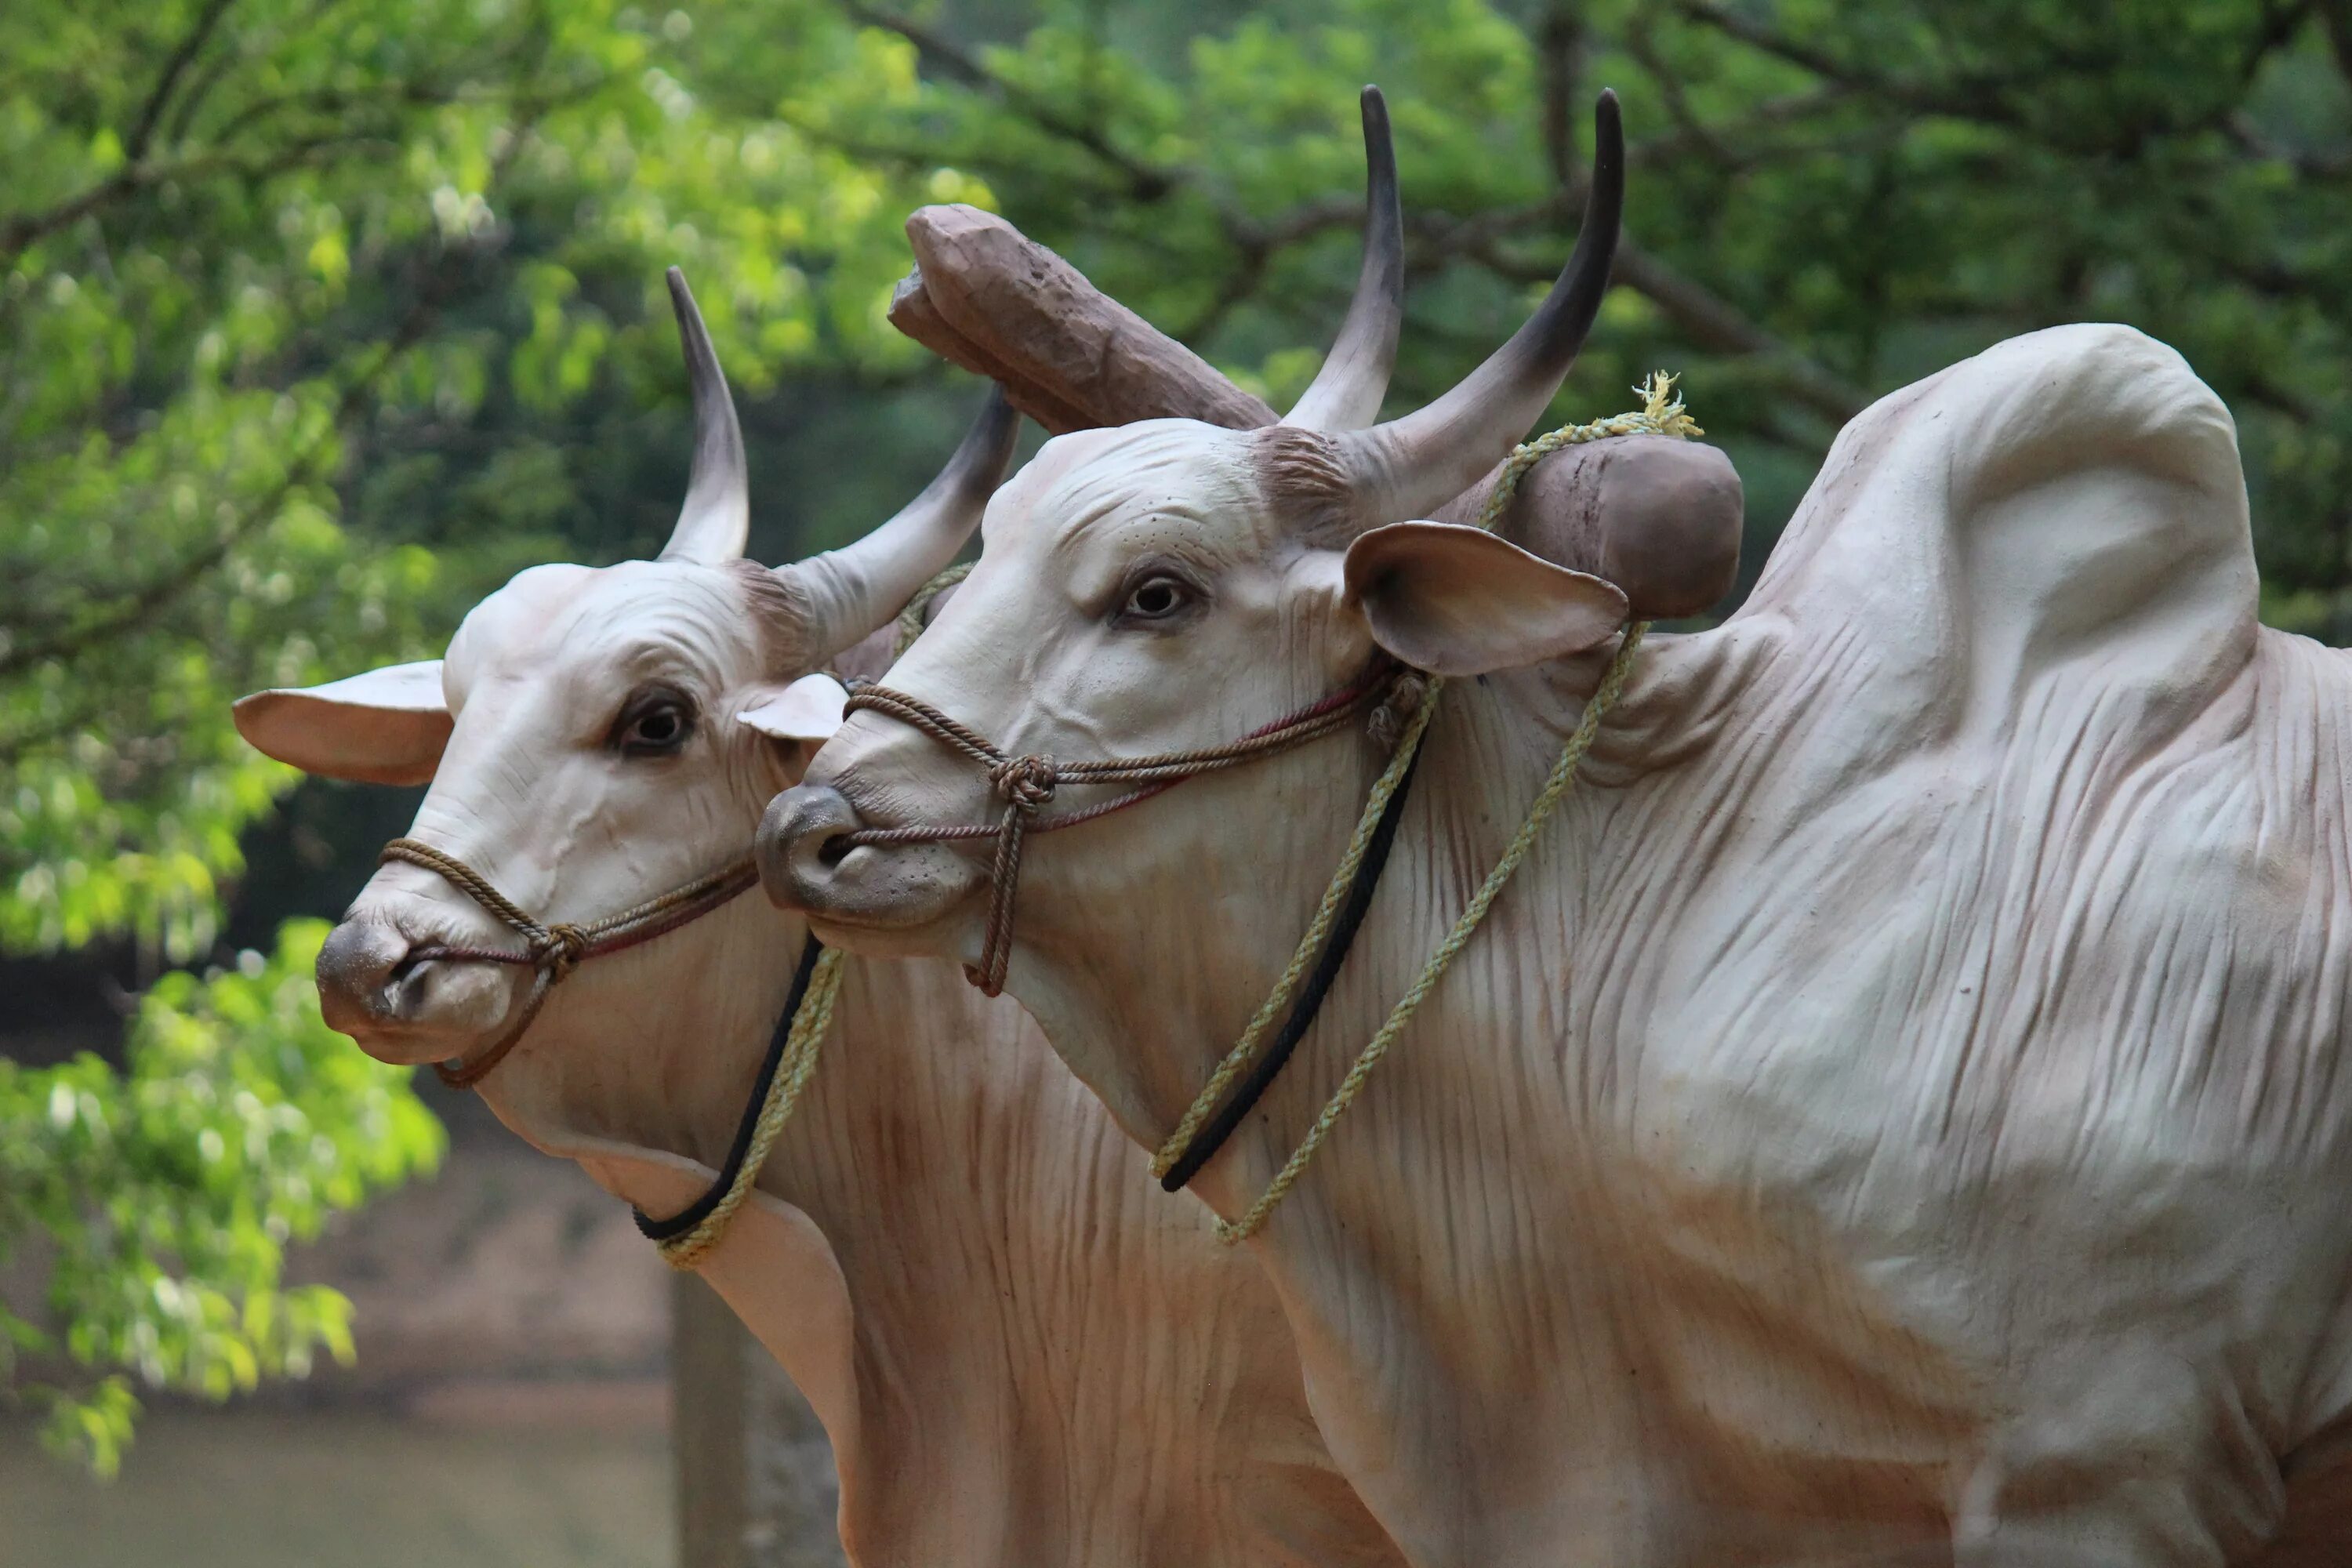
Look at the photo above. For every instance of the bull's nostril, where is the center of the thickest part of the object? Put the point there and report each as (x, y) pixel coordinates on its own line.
(803, 835)
(359, 959)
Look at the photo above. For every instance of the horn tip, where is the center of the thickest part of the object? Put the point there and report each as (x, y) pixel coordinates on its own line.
(1608, 136)
(681, 302)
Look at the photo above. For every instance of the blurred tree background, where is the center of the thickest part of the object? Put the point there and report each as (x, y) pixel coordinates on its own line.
(319, 318)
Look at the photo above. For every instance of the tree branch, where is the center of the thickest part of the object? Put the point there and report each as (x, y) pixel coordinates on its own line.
(1560, 46)
(1145, 183)
(140, 603)
(1710, 322)
(18, 233)
(1965, 98)
(134, 147)
(1717, 141)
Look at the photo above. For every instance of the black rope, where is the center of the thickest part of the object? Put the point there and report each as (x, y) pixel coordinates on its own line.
(1260, 1078)
(694, 1212)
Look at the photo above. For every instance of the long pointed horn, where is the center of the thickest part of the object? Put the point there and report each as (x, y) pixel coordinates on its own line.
(1408, 466)
(853, 590)
(717, 516)
(1347, 392)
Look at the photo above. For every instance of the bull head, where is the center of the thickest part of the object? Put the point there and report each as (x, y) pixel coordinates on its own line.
(1169, 584)
(596, 734)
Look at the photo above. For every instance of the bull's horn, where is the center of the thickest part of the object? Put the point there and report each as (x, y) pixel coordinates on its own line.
(717, 516)
(1408, 466)
(854, 590)
(1347, 392)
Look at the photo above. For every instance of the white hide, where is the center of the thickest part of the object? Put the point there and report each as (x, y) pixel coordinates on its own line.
(1899, 1113)
(1020, 1357)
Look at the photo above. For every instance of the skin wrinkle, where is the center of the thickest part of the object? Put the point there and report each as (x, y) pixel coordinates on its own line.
(1047, 1366)
(780, 609)
(1852, 1133)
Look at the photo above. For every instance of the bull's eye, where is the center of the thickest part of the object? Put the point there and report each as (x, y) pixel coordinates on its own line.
(1156, 597)
(653, 723)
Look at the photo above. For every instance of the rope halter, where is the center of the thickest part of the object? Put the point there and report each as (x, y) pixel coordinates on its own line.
(556, 948)
(1027, 785)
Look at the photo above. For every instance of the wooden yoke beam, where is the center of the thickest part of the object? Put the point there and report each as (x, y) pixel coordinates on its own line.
(1659, 518)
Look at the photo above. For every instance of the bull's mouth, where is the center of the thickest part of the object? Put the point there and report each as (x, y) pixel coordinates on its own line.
(400, 1004)
(854, 894)
(413, 1041)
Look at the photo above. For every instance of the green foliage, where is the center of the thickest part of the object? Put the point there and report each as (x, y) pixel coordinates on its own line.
(1828, 198)
(317, 318)
(163, 1194)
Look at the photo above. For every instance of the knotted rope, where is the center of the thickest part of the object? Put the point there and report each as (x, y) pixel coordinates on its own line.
(1662, 413)
(556, 949)
(1027, 785)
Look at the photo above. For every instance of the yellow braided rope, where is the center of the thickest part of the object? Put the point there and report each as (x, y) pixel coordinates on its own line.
(1662, 413)
(686, 1252)
(1563, 774)
(1309, 945)
(911, 619)
(814, 1016)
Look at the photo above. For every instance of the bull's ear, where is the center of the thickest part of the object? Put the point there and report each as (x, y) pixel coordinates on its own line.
(807, 710)
(1454, 600)
(387, 726)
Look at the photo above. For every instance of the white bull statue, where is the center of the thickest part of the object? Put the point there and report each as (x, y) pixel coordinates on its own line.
(1020, 1355)
(1901, 1112)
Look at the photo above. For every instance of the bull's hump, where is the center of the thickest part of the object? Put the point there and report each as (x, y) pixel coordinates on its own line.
(2066, 507)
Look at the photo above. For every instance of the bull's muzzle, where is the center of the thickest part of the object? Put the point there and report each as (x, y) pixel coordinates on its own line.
(358, 972)
(397, 1008)
(806, 864)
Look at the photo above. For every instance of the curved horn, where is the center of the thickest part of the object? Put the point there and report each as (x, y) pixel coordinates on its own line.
(1347, 392)
(854, 590)
(1408, 466)
(717, 516)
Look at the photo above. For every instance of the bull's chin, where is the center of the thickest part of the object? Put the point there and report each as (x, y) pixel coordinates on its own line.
(401, 1044)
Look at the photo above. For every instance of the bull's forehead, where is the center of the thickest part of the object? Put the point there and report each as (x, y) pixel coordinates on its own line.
(591, 627)
(1176, 485)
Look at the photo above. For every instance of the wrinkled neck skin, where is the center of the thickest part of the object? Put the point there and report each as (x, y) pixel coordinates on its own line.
(1020, 1354)
(1384, 1299)
(1879, 1123)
